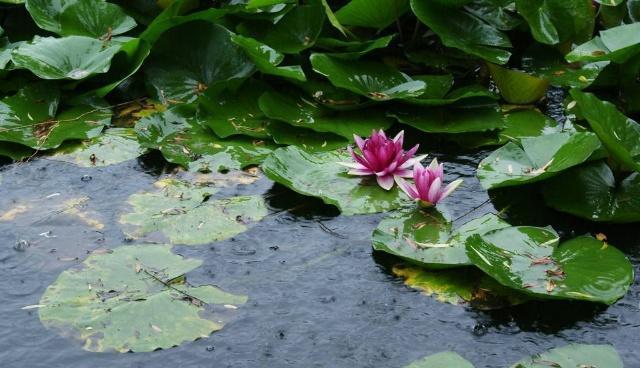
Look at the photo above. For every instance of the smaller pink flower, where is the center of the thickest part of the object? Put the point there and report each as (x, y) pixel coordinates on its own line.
(383, 157)
(428, 188)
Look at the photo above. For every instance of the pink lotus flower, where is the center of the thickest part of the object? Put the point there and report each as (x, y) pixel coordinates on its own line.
(428, 188)
(383, 157)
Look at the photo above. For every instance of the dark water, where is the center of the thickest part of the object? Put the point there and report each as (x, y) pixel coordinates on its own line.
(318, 297)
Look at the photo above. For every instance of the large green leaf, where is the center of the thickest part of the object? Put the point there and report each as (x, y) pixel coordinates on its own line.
(526, 123)
(268, 59)
(558, 21)
(371, 13)
(617, 44)
(15, 151)
(446, 359)
(374, 80)
(133, 298)
(593, 192)
(425, 237)
(185, 213)
(473, 94)
(574, 356)
(535, 159)
(193, 57)
(518, 87)
(443, 120)
(528, 259)
(73, 57)
(352, 50)
(302, 112)
(499, 13)
(29, 118)
(320, 175)
(307, 139)
(547, 63)
(619, 134)
(461, 30)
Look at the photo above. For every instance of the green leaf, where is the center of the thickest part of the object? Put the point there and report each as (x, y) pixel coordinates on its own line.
(194, 57)
(252, 4)
(463, 31)
(301, 112)
(268, 59)
(558, 21)
(372, 13)
(574, 355)
(352, 50)
(111, 302)
(320, 175)
(306, 139)
(528, 259)
(547, 63)
(185, 213)
(517, 87)
(446, 359)
(15, 151)
(473, 94)
(535, 159)
(618, 133)
(462, 286)
(617, 44)
(501, 14)
(526, 123)
(73, 57)
(425, 237)
(592, 192)
(374, 80)
(450, 121)
(114, 146)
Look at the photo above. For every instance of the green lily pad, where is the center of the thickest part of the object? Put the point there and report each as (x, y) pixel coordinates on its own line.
(268, 59)
(528, 259)
(185, 214)
(617, 44)
(29, 118)
(574, 355)
(111, 302)
(535, 159)
(517, 87)
(464, 286)
(450, 121)
(462, 30)
(547, 63)
(193, 57)
(305, 113)
(371, 13)
(425, 237)
(618, 133)
(73, 57)
(552, 22)
(320, 175)
(592, 192)
(500, 14)
(374, 80)
(114, 146)
(446, 359)
(15, 151)
(307, 139)
(352, 50)
(474, 94)
(526, 123)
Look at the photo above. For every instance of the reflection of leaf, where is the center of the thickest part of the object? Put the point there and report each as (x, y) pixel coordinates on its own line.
(108, 306)
(574, 356)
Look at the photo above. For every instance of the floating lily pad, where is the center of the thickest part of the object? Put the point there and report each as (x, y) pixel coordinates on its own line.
(535, 159)
(114, 146)
(450, 121)
(305, 113)
(268, 59)
(552, 22)
(73, 57)
(527, 123)
(619, 134)
(320, 175)
(547, 63)
(352, 50)
(426, 238)
(574, 355)
(15, 151)
(306, 139)
(528, 259)
(371, 13)
(518, 87)
(617, 44)
(464, 286)
(111, 302)
(43, 209)
(593, 192)
(374, 80)
(446, 359)
(186, 214)
(474, 94)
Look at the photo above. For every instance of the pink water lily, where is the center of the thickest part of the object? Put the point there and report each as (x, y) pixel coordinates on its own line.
(428, 188)
(383, 157)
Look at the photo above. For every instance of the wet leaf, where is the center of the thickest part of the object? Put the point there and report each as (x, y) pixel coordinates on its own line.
(473, 94)
(268, 59)
(529, 259)
(574, 356)
(617, 44)
(553, 21)
(547, 63)
(319, 175)
(108, 306)
(306, 139)
(446, 359)
(517, 87)
(450, 121)
(371, 13)
(352, 50)
(114, 146)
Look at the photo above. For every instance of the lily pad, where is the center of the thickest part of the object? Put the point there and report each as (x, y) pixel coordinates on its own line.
(528, 259)
(110, 303)
(186, 214)
(464, 286)
(305, 113)
(352, 50)
(426, 238)
(371, 13)
(114, 146)
(15, 151)
(574, 355)
(374, 80)
(268, 59)
(518, 87)
(553, 22)
(617, 44)
(547, 63)
(592, 192)
(450, 121)
(527, 123)
(619, 134)
(446, 359)
(474, 94)
(73, 57)
(320, 175)
(535, 159)
(307, 139)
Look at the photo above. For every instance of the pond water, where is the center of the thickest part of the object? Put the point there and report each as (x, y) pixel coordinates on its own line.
(318, 295)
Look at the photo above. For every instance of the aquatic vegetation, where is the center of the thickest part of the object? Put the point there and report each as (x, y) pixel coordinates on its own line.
(428, 188)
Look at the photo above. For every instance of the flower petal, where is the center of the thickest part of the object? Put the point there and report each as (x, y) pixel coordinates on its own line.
(434, 191)
(359, 142)
(412, 161)
(386, 182)
(403, 173)
(352, 165)
(450, 188)
(407, 188)
(399, 137)
(361, 172)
